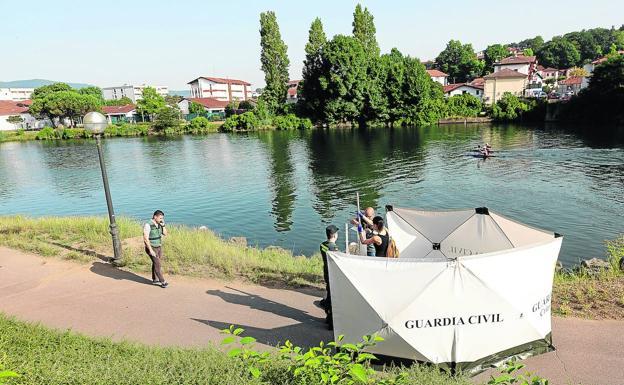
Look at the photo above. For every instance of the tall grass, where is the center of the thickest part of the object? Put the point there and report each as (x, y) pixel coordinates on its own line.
(44, 356)
(188, 251)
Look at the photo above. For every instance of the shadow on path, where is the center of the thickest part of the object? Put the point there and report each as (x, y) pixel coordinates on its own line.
(305, 335)
(254, 301)
(110, 271)
(102, 257)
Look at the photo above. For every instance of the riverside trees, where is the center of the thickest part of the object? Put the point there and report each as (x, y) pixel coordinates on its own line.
(59, 102)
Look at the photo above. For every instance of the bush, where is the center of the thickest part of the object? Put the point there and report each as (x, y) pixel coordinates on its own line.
(464, 105)
(508, 108)
(167, 119)
(244, 122)
(73, 133)
(126, 129)
(200, 125)
(291, 122)
(48, 133)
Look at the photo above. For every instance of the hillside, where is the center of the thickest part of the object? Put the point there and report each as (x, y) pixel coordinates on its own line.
(34, 83)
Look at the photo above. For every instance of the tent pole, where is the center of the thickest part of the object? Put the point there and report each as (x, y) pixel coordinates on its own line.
(357, 200)
(347, 238)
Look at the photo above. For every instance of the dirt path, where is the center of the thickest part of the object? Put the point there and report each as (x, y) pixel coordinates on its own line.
(100, 300)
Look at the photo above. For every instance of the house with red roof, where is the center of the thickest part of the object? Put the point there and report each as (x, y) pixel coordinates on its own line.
(115, 114)
(224, 89)
(19, 108)
(438, 76)
(520, 63)
(211, 105)
(463, 88)
(589, 67)
(572, 84)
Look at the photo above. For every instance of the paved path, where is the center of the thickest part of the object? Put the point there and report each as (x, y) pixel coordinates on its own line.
(100, 300)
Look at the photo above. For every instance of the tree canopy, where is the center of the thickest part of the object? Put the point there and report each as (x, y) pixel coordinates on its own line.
(150, 103)
(364, 30)
(493, 53)
(311, 92)
(59, 102)
(459, 62)
(275, 62)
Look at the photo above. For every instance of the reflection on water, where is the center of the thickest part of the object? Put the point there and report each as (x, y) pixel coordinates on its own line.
(282, 188)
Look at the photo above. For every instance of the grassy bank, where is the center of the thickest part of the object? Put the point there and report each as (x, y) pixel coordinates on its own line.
(114, 130)
(188, 251)
(201, 253)
(43, 356)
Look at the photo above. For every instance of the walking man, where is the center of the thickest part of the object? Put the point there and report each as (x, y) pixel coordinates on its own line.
(153, 231)
(329, 245)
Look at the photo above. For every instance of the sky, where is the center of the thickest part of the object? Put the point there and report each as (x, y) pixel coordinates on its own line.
(158, 42)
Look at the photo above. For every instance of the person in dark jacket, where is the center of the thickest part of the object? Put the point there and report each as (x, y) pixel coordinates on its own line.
(329, 245)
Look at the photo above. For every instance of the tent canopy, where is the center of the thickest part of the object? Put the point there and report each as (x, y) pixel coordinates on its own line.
(471, 288)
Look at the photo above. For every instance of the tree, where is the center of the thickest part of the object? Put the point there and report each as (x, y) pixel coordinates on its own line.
(578, 71)
(423, 98)
(173, 100)
(196, 108)
(492, 54)
(509, 107)
(63, 104)
(459, 62)
(167, 117)
(311, 93)
(275, 63)
(151, 103)
(42, 91)
(534, 44)
(528, 52)
(364, 30)
(93, 91)
(393, 84)
(559, 53)
(15, 119)
(343, 79)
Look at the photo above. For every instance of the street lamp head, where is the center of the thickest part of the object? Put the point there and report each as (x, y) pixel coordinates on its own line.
(95, 122)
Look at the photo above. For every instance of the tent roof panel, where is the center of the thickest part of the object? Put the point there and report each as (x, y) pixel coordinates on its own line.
(434, 225)
(480, 234)
(519, 234)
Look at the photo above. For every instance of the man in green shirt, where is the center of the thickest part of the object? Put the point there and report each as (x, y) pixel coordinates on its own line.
(329, 245)
(153, 231)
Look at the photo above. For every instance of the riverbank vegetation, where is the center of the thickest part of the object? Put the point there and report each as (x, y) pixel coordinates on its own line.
(43, 356)
(202, 253)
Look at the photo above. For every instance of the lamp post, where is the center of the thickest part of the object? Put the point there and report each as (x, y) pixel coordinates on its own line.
(95, 123)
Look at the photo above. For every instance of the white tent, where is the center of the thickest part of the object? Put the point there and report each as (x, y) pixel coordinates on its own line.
(471, 288)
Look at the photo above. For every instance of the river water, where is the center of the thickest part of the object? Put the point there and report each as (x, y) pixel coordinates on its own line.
(283, 188)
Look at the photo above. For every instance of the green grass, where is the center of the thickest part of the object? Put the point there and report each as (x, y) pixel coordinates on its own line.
(44, 356)
(17, 136)
(187, 251)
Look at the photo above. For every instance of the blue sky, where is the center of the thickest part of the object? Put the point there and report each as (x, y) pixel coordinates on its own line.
(171, 42)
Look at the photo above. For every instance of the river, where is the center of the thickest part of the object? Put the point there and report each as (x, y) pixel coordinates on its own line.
(283, 188)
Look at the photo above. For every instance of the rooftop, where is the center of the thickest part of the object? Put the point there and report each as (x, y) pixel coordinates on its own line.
(209, 102)
(520, 59)
(221, 80)
(116, 110)
(505, 73)
(436, 74)
(450, 87)
(9, 107)
(573, 80)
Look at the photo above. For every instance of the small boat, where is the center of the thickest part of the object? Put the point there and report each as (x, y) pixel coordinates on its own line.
(479, 154)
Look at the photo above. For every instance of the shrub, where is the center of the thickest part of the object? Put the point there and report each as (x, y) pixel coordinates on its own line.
(244, 122)
(463, 105)
(509, 107)
(291, 122)
(167, 118)
(47, 133)
(73, 133)
(200, 125)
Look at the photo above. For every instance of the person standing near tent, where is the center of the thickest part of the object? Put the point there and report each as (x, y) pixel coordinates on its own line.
(380, 238)
(366, 221)
(329, 245)
(153, 231)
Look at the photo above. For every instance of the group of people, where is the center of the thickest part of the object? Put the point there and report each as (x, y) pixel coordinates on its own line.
(486, 150)
(372, 232)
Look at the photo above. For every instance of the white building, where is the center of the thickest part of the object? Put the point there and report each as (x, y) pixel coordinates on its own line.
(463, 88)
(220, 88)
(292, 93)
(523, 64)
(132, 92)
(438, 76)
(15, 94)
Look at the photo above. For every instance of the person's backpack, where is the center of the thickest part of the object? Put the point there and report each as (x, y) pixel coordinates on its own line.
(393, 250)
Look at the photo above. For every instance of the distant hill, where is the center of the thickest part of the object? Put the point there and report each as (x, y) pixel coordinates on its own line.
(183, 93)
(34, 83)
